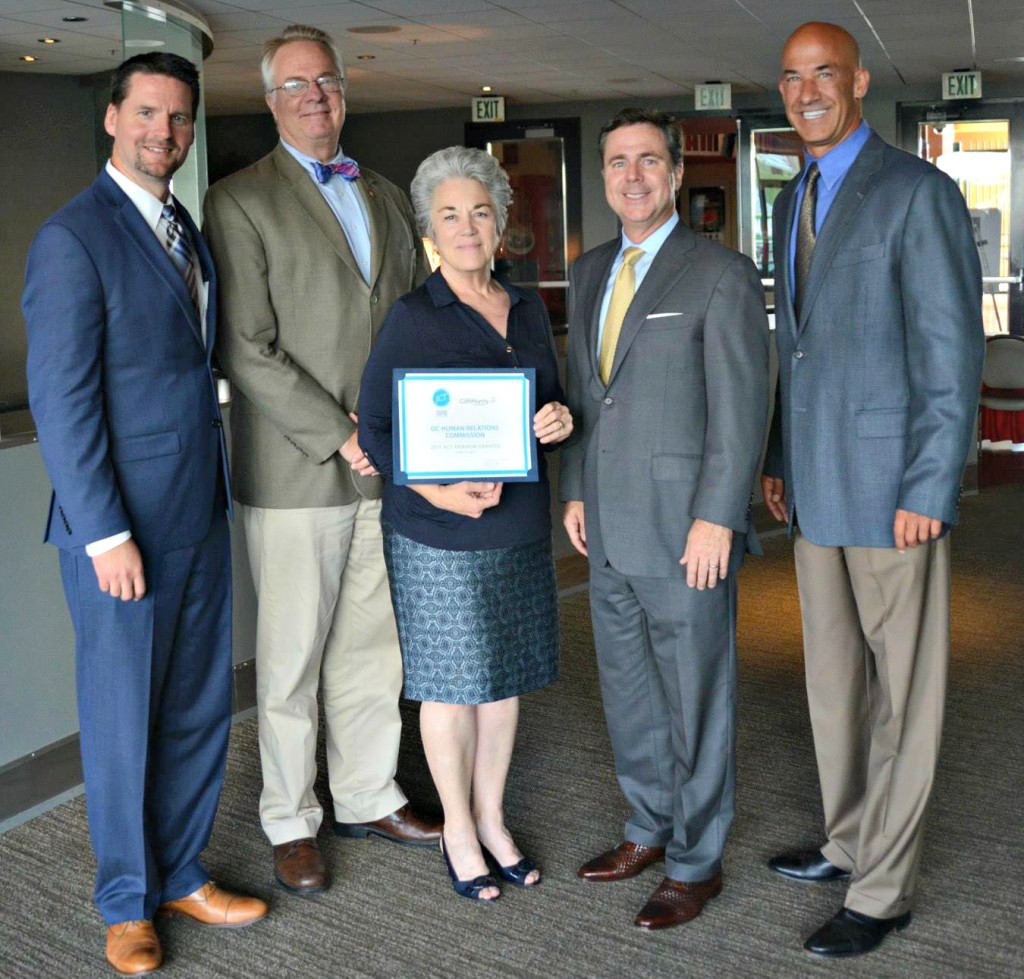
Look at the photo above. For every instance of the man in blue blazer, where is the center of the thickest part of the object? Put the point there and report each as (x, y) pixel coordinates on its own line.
(880, 341)
(119, 303)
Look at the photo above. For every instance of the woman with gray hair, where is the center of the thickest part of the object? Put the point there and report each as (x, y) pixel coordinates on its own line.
(469, 563)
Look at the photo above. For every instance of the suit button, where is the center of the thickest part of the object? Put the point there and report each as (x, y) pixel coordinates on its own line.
(374, 299)
(608, 401)
(509, 349)
(798, 355)
(216, 423)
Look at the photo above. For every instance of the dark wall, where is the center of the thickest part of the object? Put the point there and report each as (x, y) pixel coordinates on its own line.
(392, 143)
(47, 155)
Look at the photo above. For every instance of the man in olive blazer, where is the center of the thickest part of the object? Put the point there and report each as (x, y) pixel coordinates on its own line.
(310, 262)
(657, 477)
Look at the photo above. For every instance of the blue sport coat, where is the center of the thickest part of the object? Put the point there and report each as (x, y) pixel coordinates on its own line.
(120, 382)
(879, 377)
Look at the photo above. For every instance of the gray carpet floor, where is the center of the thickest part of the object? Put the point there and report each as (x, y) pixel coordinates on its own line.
(391, 912)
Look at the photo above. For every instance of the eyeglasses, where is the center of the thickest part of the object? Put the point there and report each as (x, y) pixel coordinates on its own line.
(296, 86)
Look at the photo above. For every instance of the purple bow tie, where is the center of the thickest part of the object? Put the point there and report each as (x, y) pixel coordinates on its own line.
(348, 169)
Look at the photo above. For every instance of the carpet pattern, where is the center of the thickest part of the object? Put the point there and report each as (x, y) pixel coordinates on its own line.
(391, 912)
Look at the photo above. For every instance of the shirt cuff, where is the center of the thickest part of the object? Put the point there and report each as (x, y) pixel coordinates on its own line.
(98, 547)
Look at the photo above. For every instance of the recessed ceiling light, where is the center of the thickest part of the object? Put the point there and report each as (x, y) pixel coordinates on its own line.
(28, 57)
(49, 40)
(74, 20)
(366, 57)
(375, 29)
(485, 88)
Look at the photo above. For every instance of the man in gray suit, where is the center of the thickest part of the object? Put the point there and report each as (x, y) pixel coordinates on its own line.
(878, 306)
(669, 388)
(311, 253)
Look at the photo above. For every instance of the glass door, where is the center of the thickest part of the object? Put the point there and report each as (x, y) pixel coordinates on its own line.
(543, 234)
(980, 146)
(770, 156)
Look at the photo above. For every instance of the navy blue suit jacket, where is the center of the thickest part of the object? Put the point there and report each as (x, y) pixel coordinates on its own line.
(879, 376)
(120, 382)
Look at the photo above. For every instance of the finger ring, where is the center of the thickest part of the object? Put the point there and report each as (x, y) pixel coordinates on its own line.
(713, 567)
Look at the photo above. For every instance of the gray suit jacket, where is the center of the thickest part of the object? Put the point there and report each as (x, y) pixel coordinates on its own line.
(297, 322)
(677, 433)
(879, 378)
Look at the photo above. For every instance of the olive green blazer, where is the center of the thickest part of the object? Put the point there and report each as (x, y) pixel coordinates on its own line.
(296, 323)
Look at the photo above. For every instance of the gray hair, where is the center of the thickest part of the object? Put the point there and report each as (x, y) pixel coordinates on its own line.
(453, 163)
(298, 32)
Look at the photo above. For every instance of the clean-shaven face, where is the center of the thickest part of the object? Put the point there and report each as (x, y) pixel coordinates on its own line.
(822, 85)
(312, 120)
(640, 181)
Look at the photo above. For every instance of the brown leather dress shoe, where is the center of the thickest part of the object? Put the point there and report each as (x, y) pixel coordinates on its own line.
(402, 826)
(133, 948)
(675, 902)
(212, 906)
(625, 861)
(299, 866)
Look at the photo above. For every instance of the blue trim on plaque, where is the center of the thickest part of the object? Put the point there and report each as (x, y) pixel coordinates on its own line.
(449, 407)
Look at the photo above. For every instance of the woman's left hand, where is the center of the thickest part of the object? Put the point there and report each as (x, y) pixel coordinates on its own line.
(552, 424)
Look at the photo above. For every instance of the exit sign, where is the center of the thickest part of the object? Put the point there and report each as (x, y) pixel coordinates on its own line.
(488, 108)
(714, 96)
(961, 85)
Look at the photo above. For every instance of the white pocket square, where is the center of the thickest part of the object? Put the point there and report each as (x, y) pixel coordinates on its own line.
(661, 316)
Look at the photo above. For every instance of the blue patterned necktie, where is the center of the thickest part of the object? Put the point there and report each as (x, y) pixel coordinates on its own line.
(180, 249)
(348, 169)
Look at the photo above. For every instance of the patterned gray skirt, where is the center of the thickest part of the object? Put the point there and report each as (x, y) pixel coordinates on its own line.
(474, 626)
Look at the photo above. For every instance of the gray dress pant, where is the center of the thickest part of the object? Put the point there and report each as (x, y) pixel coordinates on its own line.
(667, 660)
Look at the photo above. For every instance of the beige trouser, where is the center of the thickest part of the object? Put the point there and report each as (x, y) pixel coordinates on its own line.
(324, 619)
(876, 649)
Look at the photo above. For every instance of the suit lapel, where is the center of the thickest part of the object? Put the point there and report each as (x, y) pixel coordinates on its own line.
(670, 264)
(315, 205)
(856, 186)
(593, 293)
(141, 235)
(208, 274)
(783, 293)
(377, 218)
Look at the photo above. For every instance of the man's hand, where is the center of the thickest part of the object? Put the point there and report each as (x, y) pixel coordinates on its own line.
(707, 554)
(467, 498)
(774, 490)
(354, 455)
(119, 572)
(911, 529)
(572, 520)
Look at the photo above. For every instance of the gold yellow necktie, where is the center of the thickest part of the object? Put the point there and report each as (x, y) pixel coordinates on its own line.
(622, 295)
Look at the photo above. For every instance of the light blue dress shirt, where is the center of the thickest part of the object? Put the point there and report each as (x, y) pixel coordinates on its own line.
(651, 245)
(348, 206)
(833, 168)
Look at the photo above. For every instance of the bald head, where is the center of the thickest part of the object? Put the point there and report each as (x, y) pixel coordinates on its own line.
(818, 32)
(822, 84)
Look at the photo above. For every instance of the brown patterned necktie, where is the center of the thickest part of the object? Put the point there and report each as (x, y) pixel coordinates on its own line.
(805, 236)
(622, 295)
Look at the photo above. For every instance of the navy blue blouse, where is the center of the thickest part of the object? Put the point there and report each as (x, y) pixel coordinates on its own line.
(429, 328)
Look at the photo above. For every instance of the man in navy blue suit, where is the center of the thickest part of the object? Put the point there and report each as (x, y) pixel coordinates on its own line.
(120, 302)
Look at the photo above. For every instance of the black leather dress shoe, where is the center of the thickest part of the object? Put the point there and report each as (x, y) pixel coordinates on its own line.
(808, 866)
(852, 933)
